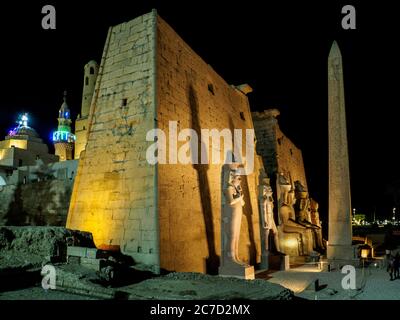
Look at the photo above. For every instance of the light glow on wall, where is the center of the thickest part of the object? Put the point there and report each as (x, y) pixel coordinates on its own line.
(21, 144)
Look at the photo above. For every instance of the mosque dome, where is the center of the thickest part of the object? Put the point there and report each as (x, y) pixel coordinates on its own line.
(23, 129)
(26, 131)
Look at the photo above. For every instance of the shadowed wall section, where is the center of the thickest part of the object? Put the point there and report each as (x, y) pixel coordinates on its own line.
(193, 94)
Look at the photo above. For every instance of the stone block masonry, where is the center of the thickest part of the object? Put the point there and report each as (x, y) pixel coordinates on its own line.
(114, 194)
(166, 216)
(279, 153)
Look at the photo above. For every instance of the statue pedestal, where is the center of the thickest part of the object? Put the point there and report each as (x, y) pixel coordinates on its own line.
(341, 255)
(275, 261)
(340, 252)
(279, 262)
(237, 271)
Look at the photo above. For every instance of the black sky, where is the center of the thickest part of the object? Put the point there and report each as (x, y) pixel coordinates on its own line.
(280, 48)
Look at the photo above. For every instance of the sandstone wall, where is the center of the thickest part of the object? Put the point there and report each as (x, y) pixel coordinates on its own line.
(265, 128)
(279, 153)
(289, 158)
(114, 194)
(192, 93)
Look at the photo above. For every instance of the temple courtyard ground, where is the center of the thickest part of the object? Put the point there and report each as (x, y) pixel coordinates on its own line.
(372, 283)
(24, 250)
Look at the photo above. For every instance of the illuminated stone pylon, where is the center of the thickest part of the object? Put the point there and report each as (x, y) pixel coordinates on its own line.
(165, 216)
(340, 232)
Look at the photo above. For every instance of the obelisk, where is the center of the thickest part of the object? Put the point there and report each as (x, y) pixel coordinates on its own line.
(340, 232)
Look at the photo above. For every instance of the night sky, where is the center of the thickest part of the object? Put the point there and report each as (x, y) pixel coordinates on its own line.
(279, 48)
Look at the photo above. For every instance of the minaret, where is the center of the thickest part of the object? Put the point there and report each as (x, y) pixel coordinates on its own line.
(340, 232)
(63, 139)
(91, 70)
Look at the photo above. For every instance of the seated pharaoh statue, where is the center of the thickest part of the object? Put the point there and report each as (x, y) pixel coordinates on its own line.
(295, 238)
(302, 206)
(303, 214)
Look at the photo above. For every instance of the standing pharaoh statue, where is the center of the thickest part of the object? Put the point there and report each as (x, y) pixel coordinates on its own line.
(234, 197)
(267, 221)
(232, 211)
(317, 222)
